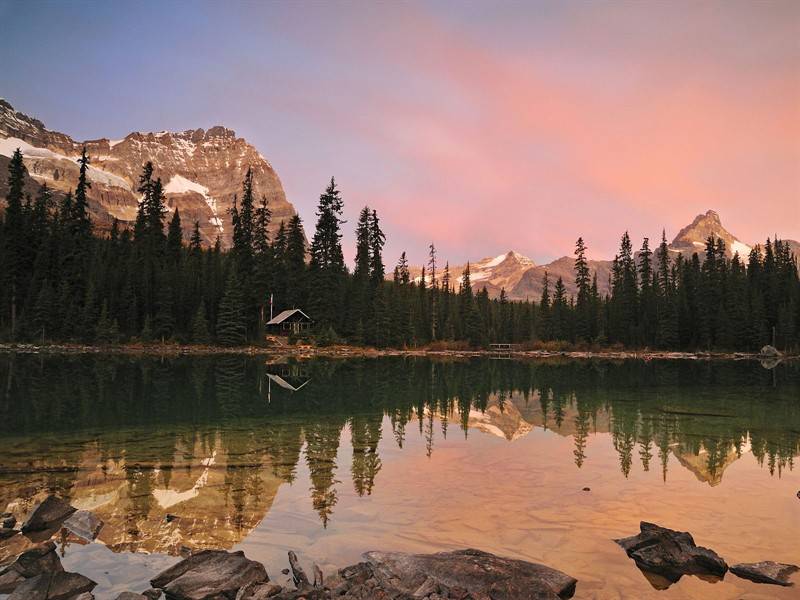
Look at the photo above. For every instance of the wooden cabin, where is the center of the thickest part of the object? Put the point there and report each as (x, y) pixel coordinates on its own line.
(290, 321)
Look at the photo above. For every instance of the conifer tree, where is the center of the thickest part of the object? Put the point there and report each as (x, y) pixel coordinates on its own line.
(583, 307)
(231, 322)
(200, 333)
(175, 237)
(377, 241)
(297, 291)
(327, 269)
(545, 330)
(14, 238)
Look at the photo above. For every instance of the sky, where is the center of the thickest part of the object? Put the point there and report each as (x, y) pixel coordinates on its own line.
(479, 126)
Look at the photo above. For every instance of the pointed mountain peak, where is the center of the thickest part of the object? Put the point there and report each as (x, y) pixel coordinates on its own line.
(692, 238)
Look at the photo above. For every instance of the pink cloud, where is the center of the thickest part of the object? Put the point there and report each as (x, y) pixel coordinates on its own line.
(483, 148)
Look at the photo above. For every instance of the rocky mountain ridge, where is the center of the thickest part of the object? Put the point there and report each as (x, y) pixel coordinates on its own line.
(201, 171)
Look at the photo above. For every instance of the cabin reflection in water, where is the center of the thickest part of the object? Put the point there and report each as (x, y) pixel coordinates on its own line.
(291, 377)
(135, 439)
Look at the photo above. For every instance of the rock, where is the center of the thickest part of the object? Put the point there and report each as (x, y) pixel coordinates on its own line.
(84, 524)
(766, 572)
(459, 574)
(152, 594)
(12, 547)
(41, 559)
(259, 591)
(298, 574)
(670, 553)
(209, 574)
(9, 522)
(586, 489)
(6, 533)
(131, 596)
(53, 586)
(169, 518)
(48, 514)
(769, 351)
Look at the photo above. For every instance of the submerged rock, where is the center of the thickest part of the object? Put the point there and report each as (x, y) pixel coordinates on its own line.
(48, 514)
(41, 559)
(83, 524)
(670, 553)
(53, 586)
(766, 572)
(459, 574)
(210, 574)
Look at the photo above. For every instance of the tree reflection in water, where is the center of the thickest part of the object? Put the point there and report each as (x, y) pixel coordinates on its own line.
(134, 428)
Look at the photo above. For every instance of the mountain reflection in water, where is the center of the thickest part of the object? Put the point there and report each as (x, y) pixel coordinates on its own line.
(211, 440)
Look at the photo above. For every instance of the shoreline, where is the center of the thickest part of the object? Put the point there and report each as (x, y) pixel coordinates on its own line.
(306, 352)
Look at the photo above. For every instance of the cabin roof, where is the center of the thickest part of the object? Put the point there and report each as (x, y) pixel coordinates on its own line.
(282, 316)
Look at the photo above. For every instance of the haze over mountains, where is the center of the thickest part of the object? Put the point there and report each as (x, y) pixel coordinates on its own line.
(202, 170)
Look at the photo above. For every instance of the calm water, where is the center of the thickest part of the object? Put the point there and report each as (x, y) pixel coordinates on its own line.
(335, 458)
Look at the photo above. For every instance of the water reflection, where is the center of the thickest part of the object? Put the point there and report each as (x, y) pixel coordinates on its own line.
(211, 440)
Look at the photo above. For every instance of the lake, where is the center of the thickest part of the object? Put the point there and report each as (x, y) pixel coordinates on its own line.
(334, 458)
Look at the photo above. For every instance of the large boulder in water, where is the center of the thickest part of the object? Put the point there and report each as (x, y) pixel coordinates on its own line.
(53, 586)
(459, 574)
(766, 572)
(670, 553)
(41, 559)
(48, 514)
(210, 574)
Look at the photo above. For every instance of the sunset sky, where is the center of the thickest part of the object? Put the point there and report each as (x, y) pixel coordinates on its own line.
(480, 126)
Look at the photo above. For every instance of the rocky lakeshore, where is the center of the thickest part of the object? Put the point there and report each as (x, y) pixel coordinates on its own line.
(31, 569)
(304, 351)
(36, 572)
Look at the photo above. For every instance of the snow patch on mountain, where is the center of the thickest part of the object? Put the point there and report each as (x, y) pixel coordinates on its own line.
(179, 184)
(742, 249)
(495, 261)
(9, 145)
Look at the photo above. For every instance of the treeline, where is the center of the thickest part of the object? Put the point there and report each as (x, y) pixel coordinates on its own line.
(62, 282)
(663, 300)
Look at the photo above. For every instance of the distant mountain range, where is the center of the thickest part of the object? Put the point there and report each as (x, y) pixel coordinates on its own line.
(522, 278)
(201, 171)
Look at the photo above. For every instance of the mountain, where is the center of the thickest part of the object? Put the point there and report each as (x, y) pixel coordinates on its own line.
(692, 238)
(522, 279)
(201, 171)
(495, 273)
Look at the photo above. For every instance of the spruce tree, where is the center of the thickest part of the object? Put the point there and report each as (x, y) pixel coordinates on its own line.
(200, 333)
(377, 240)
(14, 238)
(327, 269)
(175, 237)
(231, 321)
(583, 317)
(297, 291)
